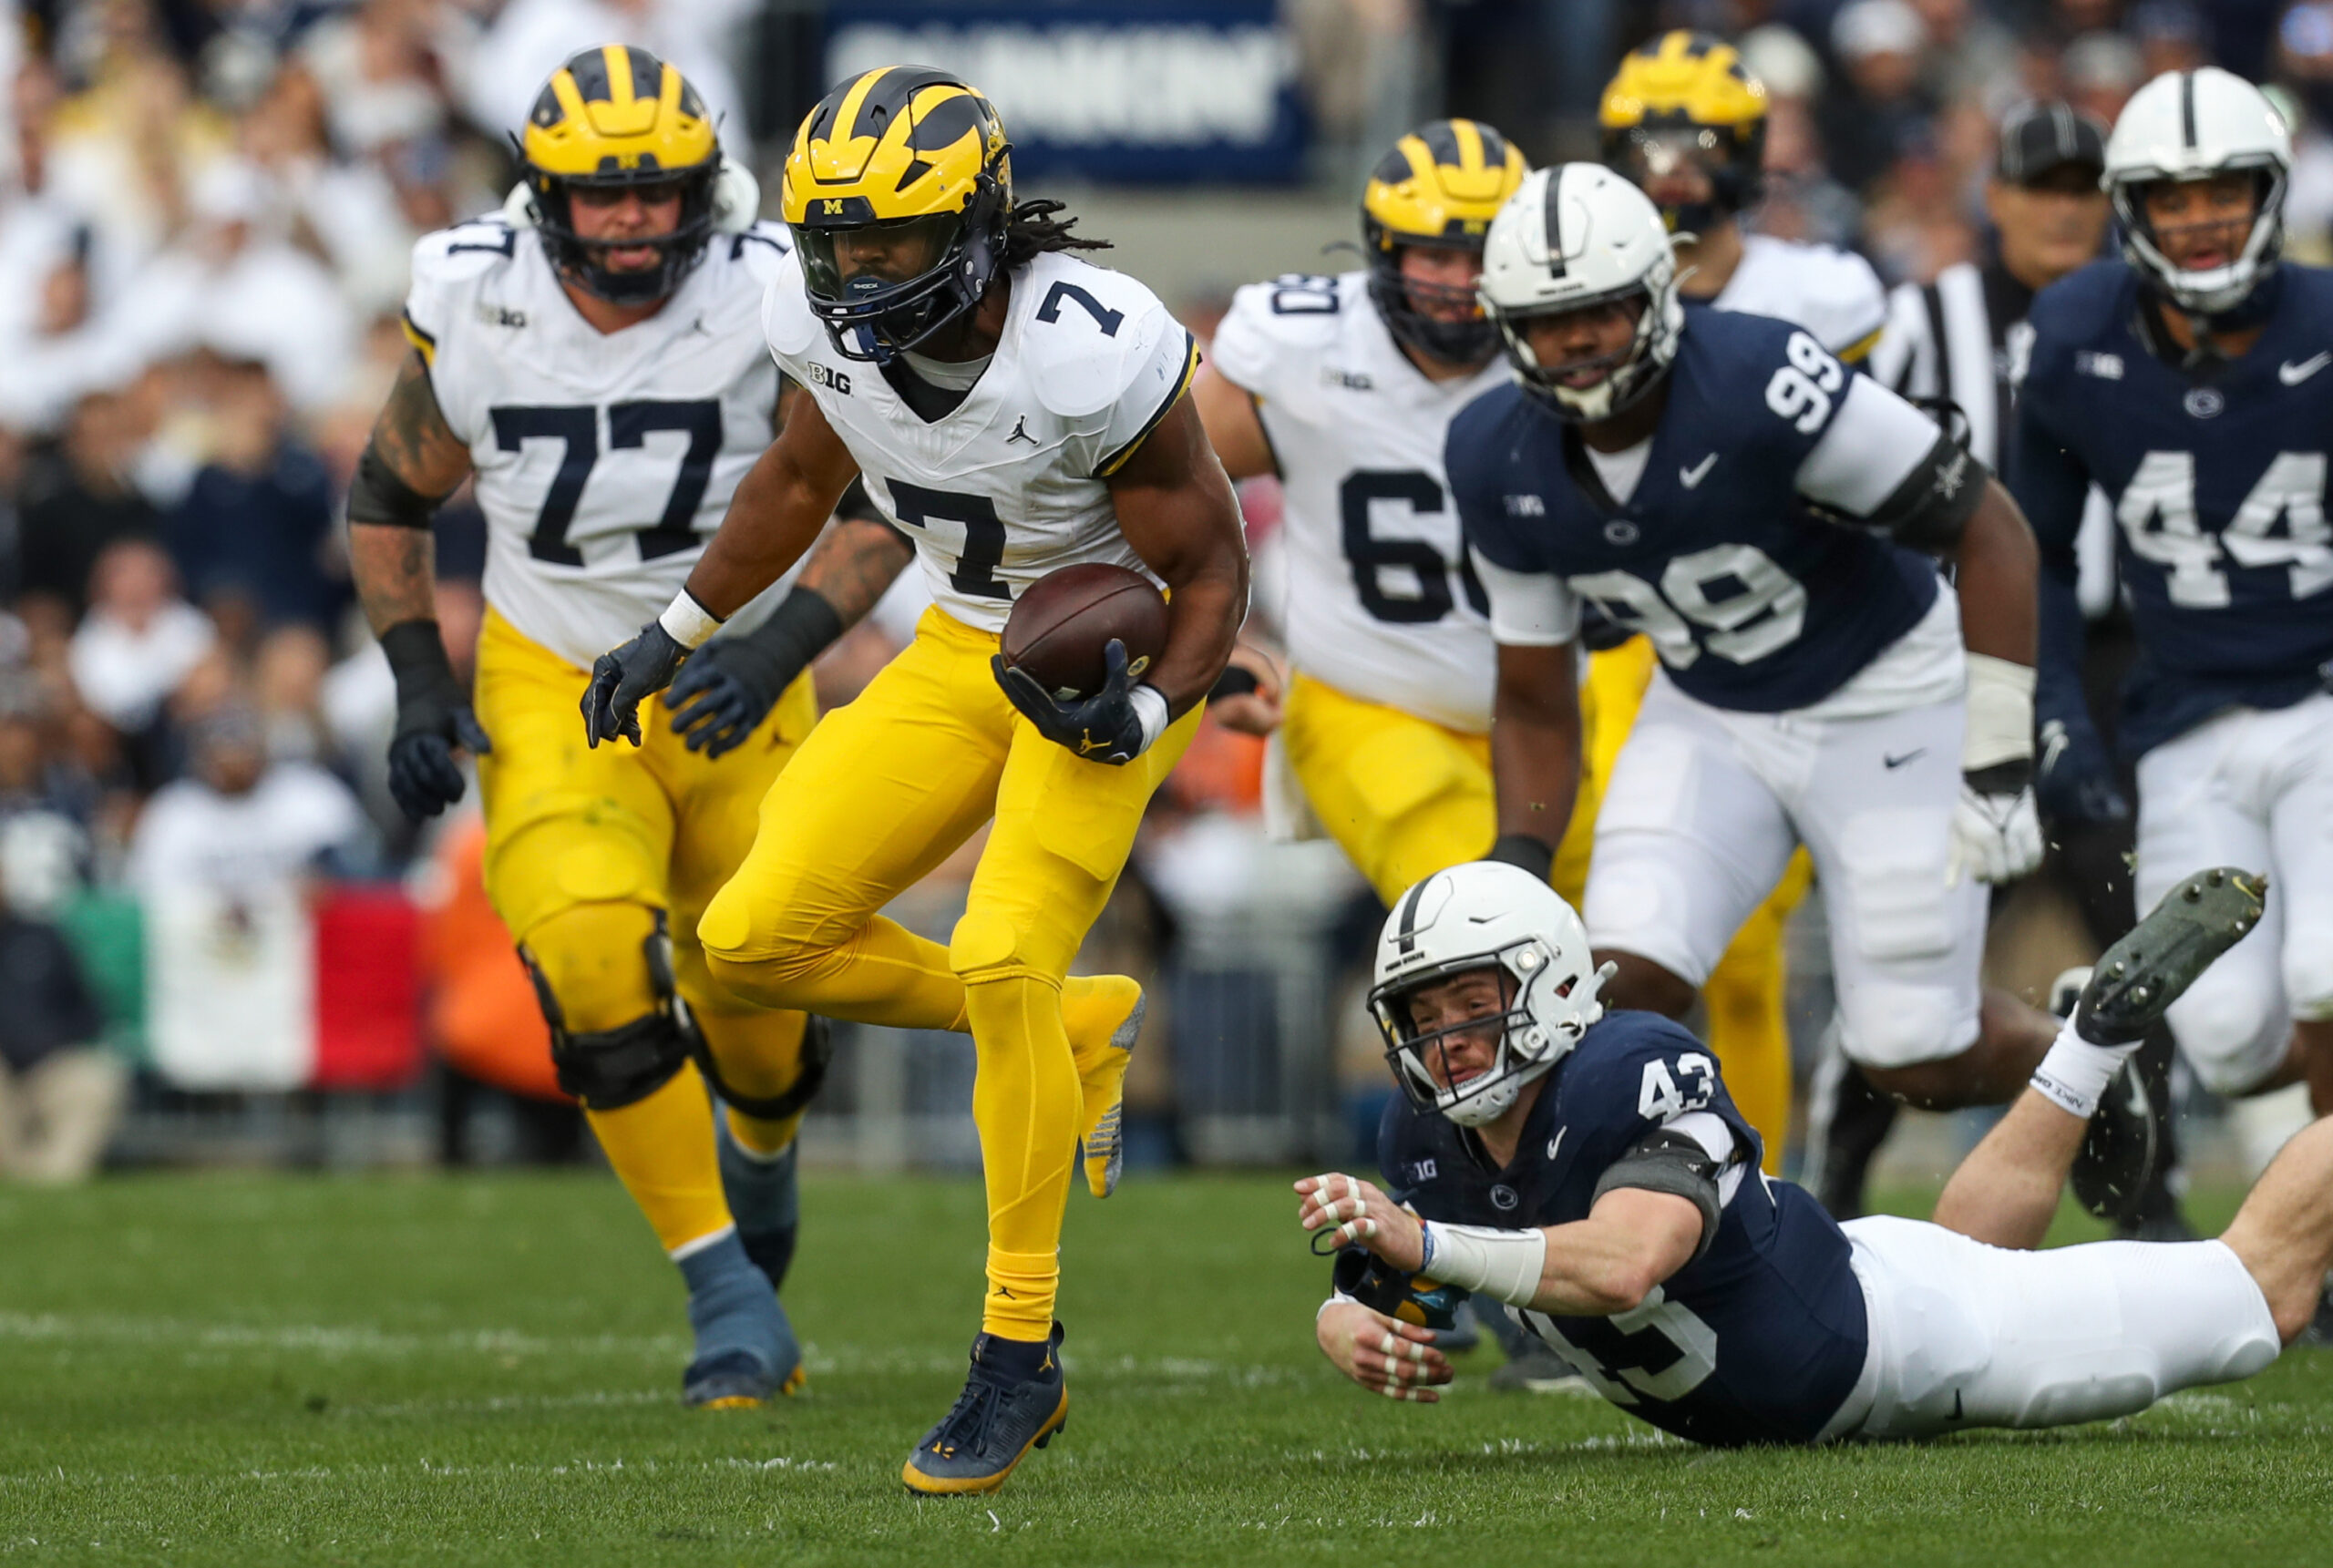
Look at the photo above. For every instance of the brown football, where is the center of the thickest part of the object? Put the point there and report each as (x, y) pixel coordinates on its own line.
(1059, 628)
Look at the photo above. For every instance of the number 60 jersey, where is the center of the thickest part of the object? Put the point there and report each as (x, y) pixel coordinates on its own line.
(1382, 604)
(605, 461)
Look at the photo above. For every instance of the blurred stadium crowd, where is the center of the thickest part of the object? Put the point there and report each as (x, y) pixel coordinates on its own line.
(206, 211)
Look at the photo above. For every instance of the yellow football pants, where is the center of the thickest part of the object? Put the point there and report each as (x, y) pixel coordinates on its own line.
(1405, 797)
(585, 848)
(884, 791)
(1744, 994)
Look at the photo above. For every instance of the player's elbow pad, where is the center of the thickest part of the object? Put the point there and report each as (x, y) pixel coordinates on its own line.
(1931, 509)
(1674, 1163)
(376, 495)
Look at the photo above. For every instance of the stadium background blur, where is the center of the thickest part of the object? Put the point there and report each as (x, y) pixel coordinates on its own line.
(206, 211)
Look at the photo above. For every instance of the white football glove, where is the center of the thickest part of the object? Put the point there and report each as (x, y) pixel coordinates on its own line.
(1996, 835)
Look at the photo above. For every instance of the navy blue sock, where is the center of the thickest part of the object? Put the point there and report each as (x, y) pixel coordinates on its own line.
(766, 1199)
(731, 1306)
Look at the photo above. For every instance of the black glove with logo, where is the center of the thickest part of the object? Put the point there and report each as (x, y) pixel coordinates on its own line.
(434, 717)
(1108, 727)
(622, 680)
(723, 692)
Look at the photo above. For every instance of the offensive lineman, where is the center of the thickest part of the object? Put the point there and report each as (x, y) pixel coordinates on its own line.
(592, 359)
(2187, 381)
(1345, 387)
(1016, 410)
(1815, 689)
(1590, 1168)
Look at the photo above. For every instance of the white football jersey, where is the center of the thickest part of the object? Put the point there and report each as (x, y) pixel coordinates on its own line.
(1012, 483)
(605, 461)
(1380, 601)
(1833, 293)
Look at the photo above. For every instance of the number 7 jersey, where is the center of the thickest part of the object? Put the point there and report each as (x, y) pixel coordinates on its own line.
(604, 461)
(1013, 482)
(1382, 604)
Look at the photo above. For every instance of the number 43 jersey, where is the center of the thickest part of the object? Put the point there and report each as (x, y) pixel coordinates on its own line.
(1382, 604)
(1759, 1340)
(1013, 482)
(604, 461)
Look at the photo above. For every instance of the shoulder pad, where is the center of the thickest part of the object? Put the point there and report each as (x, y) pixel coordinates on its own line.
(2083, 303)
(1089, 332)
(787, 322)
(1833, 293)
(760, 248)
(463, 252)
(1272, 326)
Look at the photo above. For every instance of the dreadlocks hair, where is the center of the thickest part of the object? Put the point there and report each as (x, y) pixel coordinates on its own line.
(1030, 229)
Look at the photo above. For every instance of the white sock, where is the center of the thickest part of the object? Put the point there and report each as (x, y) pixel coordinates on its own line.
(2074, 1074)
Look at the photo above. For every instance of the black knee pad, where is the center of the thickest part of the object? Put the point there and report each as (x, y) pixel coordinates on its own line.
(610, 1069)
(810, 1075)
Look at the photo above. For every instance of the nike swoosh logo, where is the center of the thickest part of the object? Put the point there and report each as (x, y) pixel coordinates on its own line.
(1691, 478)
(2293, 375)
(1557, 1142)
(1895, 763)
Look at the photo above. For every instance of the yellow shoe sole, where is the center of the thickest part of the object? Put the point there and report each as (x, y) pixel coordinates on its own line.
(975, 1486)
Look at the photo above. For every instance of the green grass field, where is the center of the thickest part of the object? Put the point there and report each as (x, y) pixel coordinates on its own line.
(259, 1368)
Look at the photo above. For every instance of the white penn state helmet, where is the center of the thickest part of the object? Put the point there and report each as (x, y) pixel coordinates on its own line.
(2191, 125)
(1573, 235)
(1483, 915)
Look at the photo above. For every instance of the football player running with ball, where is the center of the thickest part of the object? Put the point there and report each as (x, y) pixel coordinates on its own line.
(1590, 1168)
(592, 360)
(1720, 483)
(2188, 381)
(1016, 410)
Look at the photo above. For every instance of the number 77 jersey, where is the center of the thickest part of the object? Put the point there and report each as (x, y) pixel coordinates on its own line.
(604, 461)
(1380, 601)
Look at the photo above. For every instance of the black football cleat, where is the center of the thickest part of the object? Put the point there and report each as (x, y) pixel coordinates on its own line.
(2116, 1163)
(1004, 1412)
(736, 1380)
(2135, 981)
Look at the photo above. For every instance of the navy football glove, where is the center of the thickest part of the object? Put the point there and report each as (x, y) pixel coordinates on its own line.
(2076, 781)
(723, 693)
(620, 681)
(1109, 727)
(1380, 1286)
(434, 717)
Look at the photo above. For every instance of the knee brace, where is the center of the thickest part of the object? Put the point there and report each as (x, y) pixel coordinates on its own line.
(609, 1069)
(809, 1077)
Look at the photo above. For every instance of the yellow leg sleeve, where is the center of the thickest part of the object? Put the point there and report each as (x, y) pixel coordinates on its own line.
(1748, 1028)
(591, 956)
(1025, 1099)
(760, 1056)
(662, 1149)
(883, 974)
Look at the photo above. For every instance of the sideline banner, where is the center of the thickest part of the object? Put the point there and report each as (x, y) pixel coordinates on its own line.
(1150, 91)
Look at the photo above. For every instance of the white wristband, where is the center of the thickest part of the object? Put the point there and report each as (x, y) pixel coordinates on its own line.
(2000, 714)
(686, 621)
(2073, 1073)
(1150, 709)
(1505, 1263)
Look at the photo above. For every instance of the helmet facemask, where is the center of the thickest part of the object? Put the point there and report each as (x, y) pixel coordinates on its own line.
(2218, 290)
(1634, 369)
(1524, 1051)
(872, 317)
(583, 262)
(1470, 341)
(1728, 159)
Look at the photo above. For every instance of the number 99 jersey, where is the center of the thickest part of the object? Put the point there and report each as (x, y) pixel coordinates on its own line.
(1013, 482)
(604, 461)
(1382, 604)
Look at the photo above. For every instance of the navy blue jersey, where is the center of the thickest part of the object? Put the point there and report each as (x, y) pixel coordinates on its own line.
(1753, 602)
(1760, 1340)
(2218, 485)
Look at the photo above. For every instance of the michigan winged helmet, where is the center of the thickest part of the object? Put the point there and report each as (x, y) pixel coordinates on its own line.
(1439, 186)
(1687, 98)
(616, 118)
(898, 189)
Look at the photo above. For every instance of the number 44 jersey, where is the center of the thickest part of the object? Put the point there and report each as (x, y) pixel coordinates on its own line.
(1381, 603)
(604, 461)
(1760, 1339)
